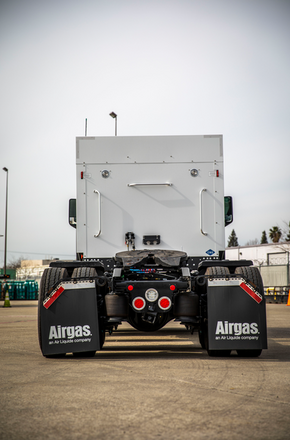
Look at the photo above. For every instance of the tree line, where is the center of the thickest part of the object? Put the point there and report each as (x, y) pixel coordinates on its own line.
(276, 234)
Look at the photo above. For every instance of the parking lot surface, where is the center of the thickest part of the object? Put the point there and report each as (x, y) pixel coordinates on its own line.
(142, 385)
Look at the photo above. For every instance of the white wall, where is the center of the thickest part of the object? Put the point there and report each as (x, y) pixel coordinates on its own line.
(272, 259)
(279, 253)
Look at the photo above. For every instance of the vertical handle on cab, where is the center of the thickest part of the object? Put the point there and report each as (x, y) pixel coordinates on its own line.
(200, 211)
(99, 206)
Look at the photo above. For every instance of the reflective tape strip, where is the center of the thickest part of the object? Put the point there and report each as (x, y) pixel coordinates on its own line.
(65, 286)
(250, 291)
(222, 282)
(79, 285)
(48, 301)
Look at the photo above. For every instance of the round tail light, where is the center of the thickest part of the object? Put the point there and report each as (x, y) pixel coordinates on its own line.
(151, 295)
(164, 303)
(138, 303)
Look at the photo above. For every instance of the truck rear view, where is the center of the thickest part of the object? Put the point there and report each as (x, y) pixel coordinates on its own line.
(150, 217)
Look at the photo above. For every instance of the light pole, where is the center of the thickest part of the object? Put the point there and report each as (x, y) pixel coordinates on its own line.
(114, 116)
(6, 206)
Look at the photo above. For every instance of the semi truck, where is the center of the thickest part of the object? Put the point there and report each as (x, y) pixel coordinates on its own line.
(150, 217)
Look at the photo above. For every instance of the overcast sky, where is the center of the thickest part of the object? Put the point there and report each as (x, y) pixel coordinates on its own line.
(166, 67)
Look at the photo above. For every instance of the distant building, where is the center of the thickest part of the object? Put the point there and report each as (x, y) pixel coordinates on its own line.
(32, 269)
(273, 260)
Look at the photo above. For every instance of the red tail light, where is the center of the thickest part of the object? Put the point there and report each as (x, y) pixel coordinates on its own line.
(138, 303)
(164, 303)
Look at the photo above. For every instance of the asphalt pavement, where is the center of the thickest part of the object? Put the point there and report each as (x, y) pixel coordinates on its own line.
(142, 385)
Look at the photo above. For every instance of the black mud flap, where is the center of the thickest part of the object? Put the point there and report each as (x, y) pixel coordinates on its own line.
(236, 316)
(69, 319)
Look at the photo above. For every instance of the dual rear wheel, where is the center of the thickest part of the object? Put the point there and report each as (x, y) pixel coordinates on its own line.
(50, 278)
(253, 275)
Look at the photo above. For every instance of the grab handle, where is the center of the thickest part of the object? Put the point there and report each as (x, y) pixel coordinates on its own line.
(147, 184)
(200, 211)
(99, 205)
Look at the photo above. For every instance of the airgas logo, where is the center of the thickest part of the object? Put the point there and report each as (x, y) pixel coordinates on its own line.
(65, 335)
(237, 330)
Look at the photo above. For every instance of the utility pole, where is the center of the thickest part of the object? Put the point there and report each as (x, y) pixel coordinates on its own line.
(6, 210)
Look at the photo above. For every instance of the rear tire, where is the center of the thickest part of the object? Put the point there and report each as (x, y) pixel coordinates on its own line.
(84, 354)
(219, 353)
(203, 338)
(202, 334)
(80, 272)
(51, 276)
(253, 276)
(249, 353)
(219, 271)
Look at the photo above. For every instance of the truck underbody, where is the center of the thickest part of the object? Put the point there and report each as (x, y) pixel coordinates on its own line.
(149, 288)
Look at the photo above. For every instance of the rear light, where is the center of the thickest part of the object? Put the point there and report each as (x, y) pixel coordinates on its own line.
(172, 287)
(151, 295)
(138, 303)
(130, 287)
(164, 303)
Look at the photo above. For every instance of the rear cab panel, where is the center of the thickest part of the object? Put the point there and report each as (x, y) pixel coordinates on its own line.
(147, 186)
